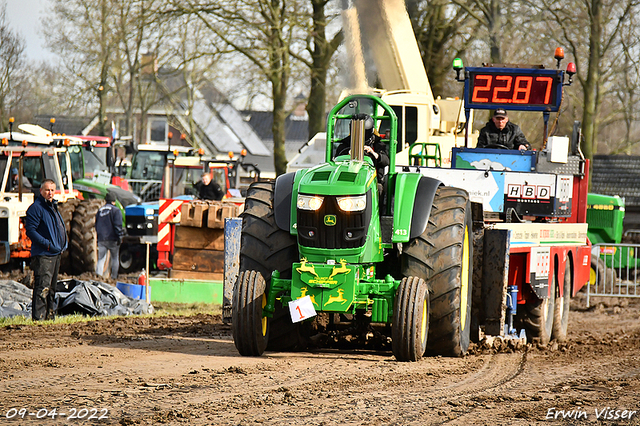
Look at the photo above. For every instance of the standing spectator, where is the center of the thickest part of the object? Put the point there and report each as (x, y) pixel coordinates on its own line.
(45, 227)
(110, 232)
(208, 189)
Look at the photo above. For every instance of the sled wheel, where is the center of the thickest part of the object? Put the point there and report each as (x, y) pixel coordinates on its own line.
(410, 320)
(250, 328)
(561, 307)
(536, 316)
(444, 255)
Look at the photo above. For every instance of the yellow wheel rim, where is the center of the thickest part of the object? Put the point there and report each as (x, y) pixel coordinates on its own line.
(423, 326)
(464, 278)
(592, 276)
(264, 319)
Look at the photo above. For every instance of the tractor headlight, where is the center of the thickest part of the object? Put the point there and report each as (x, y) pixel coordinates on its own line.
(309, 202)
(352, 203)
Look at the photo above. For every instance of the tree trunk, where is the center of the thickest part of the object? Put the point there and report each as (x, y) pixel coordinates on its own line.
(321, 55)
(277, 128)
(495, 33)
(317, 93)
(589, 126)
(279, 77)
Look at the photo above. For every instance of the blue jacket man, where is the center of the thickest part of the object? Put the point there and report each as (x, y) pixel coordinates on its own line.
(45, 228)
(109, 231)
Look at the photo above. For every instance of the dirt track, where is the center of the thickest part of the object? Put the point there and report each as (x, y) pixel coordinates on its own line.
(186, 371)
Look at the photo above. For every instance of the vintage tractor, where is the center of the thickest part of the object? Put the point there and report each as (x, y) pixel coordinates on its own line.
(393, 258)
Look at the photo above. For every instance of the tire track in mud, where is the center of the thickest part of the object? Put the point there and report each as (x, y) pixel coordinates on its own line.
(407, 390)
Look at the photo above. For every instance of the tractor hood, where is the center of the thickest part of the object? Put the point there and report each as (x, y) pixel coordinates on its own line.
(341, 178)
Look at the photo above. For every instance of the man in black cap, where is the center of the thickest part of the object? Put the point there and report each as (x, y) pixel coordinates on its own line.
(499, 132)
(110, 232)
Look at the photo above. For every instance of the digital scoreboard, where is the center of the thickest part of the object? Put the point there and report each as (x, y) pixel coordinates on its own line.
(521, 89)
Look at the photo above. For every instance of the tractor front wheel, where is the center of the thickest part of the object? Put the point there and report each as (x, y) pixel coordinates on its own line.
(410, 320)
(250, 328)
(129, 259)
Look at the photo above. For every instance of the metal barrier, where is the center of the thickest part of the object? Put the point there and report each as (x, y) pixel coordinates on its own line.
(615, 271)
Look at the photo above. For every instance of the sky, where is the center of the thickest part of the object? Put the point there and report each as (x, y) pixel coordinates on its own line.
(25, 16)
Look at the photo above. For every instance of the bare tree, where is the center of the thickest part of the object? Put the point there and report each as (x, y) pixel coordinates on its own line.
(443, 31)
(494, 17)
(591, 29)
(140, 33)
(322, 49)
(264, 33)
(81, 32)
(11, 61)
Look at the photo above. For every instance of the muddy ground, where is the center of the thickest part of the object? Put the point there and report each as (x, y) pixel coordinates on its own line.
(185, 370)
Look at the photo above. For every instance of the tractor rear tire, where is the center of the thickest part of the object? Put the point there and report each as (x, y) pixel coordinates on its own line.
(265, 248)
(66, 210)
(410, 325)
(250, 328)
(536, 317)
(443, 254)
(562, 306)
(83, 241)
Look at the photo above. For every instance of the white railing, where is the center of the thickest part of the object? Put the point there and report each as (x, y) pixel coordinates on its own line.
(615, 271)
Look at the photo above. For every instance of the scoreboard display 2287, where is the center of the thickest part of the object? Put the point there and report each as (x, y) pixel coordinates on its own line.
(513, 88)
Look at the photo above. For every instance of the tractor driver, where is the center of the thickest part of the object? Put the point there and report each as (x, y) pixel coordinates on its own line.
(26, 185)
(499, 132)
(377, 150)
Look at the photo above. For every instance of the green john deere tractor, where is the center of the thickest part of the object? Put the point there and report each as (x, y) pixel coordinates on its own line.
(390, 259)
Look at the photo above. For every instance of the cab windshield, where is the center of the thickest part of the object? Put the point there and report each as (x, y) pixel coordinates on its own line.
(148, 165)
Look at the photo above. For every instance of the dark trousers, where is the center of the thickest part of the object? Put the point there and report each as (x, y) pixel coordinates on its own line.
(45, 276)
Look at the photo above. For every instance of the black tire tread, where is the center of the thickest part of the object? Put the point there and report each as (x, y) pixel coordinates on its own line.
(530, 316)
(265, 248)
(66, 210)
(83, 239)
(407, 319)
(247, 314)
(437, 255)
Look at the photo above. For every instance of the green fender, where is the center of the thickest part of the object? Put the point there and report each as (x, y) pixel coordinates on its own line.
(414, 195)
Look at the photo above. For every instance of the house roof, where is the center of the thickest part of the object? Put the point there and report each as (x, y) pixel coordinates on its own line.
(617, 175)
(64, 124)
(296, 128)
(296, 131)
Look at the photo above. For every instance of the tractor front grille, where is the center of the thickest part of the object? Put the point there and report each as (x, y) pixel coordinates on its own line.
(318, 229)
(142, 225)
